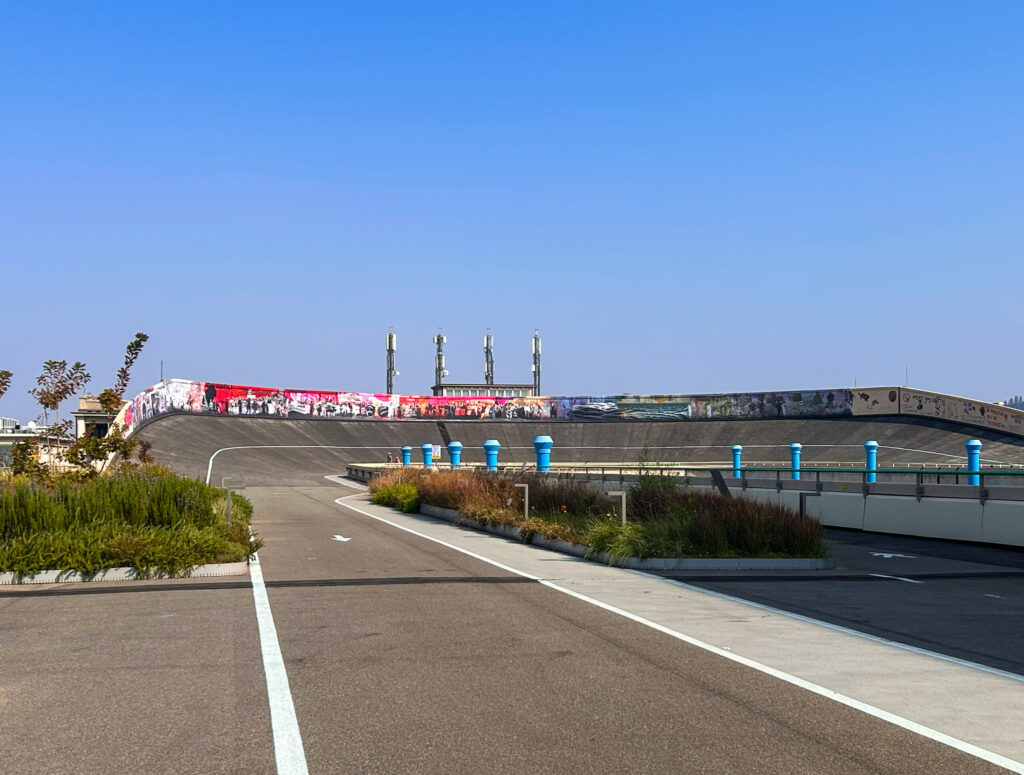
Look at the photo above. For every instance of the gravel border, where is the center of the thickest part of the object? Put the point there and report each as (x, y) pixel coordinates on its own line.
(655, 563)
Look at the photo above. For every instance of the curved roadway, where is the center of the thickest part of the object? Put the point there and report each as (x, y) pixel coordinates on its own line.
(399, 644)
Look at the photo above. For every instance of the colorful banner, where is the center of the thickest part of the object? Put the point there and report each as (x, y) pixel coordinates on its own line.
(174, 396)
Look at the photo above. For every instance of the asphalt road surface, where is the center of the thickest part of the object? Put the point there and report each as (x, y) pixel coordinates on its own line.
(962, 600)
(403, 655)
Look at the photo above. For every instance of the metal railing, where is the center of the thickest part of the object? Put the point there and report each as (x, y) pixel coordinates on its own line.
(991, 476)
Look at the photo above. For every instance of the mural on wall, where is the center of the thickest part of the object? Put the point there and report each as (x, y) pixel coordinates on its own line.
(877, 400)
(962, 410)
(242, 400)
(177, 395)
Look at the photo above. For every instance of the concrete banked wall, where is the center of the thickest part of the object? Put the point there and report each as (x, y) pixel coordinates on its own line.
(289, 431)
(186, 442)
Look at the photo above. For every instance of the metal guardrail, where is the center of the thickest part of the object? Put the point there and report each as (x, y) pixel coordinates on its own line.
(952, 482)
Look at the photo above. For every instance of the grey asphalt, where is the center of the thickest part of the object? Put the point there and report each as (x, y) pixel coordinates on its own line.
(403, 656)
(474, 670)
(186, 442)
(967, 602)
(135, 678)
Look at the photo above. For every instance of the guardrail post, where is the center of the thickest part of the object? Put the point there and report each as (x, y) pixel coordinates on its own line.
(621, 494)
(526, 499)
(455, 454)
(491, 447)
(737, 460)
(542, 446)
(871, 461)
(428, 455)
(406, 456)
(794, 458)
(973, 461)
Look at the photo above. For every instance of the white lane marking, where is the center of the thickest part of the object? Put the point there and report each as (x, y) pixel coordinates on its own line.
(836, 627)
(997, 597)
(339, 538)
(288, 750)
(209, 466)
(890, 555)
(871, 710)
(497, 564)
(897, 578)
(339, 479)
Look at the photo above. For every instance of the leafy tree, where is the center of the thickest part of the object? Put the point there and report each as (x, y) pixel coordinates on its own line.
(57, 383)
(85, 452)
(112, 398)
(5, 381)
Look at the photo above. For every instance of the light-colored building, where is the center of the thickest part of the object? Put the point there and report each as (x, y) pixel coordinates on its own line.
(466, 390)
(91, 419)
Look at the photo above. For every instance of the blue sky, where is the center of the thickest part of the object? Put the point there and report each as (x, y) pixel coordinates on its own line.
(682, 197)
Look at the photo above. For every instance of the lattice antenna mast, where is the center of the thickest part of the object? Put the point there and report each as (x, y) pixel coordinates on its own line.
(536, 362)
(488, 358)
(440, 372)
(391, 344)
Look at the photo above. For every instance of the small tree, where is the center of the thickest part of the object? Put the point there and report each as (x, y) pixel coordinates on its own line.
(56, 384)
(112, 398)
(84, 452)
(5, 381)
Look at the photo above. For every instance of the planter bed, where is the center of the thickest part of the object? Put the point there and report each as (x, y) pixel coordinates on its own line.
(653, 563)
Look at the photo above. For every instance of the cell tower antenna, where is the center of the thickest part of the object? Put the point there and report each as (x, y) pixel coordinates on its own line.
(440, 372)
(536, 362)
(488, 358)
(391, 344)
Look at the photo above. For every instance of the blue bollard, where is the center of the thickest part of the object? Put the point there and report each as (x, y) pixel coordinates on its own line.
(542, 446)
(973, 461)
(491, 448)
(870, 461)
(794, 458)
(428, 455)
(406, 456)
(737, 460)
(455, 454)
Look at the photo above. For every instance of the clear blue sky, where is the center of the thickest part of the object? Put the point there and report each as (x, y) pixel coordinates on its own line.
(683, 197)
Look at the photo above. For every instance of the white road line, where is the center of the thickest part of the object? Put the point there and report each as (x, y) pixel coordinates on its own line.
(209, 466)
(835, 627)
(288, 750)
(896, 578)
(338, 479)
(871, 710)
(340, 502)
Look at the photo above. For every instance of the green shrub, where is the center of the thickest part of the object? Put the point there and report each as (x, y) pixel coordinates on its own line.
(403, 496)
(665, 520)
(149, 519)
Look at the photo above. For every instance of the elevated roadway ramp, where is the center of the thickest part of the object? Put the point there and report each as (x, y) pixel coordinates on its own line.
(286, 451)
(418, 646)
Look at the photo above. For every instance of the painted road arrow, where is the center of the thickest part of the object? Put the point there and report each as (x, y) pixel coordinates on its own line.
(340, 538)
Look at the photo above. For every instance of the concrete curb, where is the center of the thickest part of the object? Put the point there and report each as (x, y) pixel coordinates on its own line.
(632, 563)
(124, 574)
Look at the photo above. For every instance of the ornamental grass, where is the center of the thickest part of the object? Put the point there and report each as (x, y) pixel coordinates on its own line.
(149, 519)
(664, 518)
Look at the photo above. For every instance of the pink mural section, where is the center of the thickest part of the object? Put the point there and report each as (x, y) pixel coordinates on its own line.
(187, 396)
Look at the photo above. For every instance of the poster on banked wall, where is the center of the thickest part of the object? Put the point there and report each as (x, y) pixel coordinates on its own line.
(187, 396)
